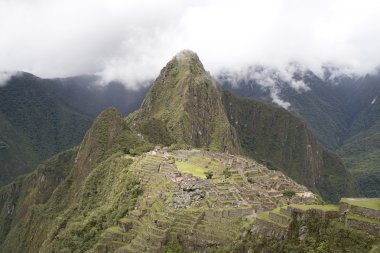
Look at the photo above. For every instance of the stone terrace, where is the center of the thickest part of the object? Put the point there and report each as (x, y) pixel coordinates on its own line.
(358, 214)
(362, 214)
(197, 212)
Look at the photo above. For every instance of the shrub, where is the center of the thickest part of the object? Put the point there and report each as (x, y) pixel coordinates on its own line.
(209, 174)
(288, 193)
(227, 173)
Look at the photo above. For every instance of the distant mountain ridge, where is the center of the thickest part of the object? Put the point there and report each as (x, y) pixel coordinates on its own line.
(41, 117)
(74, 201)
(343, 111)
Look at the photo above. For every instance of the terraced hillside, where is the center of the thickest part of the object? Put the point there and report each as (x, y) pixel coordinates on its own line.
(120, 190)
(351, 226)
(185, 107)
(192, 211)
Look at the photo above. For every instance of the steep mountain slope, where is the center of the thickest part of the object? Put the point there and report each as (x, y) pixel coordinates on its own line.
(15, 152)
(342, 111)
(320, 103)
(75, 201)
(41, 117)
(284, 142)
(361, 152)
(185, 106)
(72, 196)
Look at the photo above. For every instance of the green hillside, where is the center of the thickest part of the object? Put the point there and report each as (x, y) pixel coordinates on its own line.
(114, 193)
(38, 124)
(70, 198)
(361, 155)
(184, 106)
(99, 198)
(282, 141)
(41, 117)
(342, 111)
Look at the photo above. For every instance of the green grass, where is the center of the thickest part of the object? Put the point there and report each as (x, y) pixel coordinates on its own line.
(362, 218)
(200, 160)
(369, 203)
(195, 170)
(318, 207)
(277, 211)
(197, 167)
(265, 216)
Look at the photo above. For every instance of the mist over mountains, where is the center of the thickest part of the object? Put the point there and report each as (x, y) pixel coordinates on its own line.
(41, 117)
(207, 155)
(202, 126)
(339, 107)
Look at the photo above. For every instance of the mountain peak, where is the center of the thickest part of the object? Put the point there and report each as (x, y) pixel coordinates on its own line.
(187, 60)
(186, 55)
(185, 104)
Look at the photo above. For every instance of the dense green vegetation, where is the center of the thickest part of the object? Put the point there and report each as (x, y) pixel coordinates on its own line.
(70, 199)
(362, 158)
(41, 117)
(34, 125)
(342, 111)
(284, 142)
(184, 106)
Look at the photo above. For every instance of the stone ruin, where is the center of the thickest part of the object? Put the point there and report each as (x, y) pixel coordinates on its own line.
(189, 191)
(197, 212)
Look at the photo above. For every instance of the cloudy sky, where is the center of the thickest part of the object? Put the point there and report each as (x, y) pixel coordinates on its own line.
(131, 40)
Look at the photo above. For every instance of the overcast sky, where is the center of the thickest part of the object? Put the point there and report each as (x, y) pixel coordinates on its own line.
(131, 40)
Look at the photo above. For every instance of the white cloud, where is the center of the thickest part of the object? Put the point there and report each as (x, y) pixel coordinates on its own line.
(5, 76)
(277, 100)
(131, 40)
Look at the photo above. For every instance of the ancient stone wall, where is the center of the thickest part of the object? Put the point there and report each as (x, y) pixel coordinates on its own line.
(369, 227)
(362, 211)
(324, 214)
(225, 213)
(264, 228)
(281, 219)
